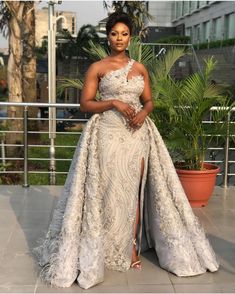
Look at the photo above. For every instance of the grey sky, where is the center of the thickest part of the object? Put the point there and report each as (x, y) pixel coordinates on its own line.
(88, 12)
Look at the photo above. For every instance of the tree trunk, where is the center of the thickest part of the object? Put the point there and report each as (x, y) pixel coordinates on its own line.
(14, 71)
(29, 61)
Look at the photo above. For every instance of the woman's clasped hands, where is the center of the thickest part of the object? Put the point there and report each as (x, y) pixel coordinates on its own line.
(135, 119)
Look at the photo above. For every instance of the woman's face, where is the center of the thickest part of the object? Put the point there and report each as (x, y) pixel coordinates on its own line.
(119, 37)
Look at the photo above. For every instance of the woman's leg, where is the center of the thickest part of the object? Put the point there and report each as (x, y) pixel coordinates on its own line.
(135, 258)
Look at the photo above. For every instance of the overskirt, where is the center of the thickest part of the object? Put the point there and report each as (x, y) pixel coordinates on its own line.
(74, 247)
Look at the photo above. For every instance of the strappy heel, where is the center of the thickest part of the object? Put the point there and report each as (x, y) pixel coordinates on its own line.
(137, 263)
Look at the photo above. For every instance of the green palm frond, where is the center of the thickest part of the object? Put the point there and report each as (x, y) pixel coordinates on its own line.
(193, 89)
(164, 64)
(213, 91)
(96, 51)
(68, 83)
(210, 65)
(139, 52)
(198, 87)
(159, 69)
(171, 57)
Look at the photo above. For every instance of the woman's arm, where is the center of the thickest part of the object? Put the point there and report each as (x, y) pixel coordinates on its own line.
(146, 98)
(89, 90)
(146, 95)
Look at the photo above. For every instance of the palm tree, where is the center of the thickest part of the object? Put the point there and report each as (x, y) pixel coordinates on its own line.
(86, 33)
(65, 45)
(137, 10)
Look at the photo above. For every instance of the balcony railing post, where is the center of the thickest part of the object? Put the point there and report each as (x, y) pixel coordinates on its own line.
(226, 154)
(52, 163)
(25, 184)
(3, 151)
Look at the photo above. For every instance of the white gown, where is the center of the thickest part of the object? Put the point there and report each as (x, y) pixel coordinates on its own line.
(92, 225)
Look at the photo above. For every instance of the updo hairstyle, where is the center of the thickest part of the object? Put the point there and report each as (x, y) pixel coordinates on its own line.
(118, 17)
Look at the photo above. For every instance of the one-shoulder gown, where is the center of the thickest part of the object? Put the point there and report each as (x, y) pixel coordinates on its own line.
(92, 225)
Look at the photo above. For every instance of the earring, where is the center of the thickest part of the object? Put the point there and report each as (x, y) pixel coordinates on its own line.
(108, 43)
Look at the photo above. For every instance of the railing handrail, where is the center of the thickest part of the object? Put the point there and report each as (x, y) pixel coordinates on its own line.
(36, 104)
(168, 44)
(73, 105)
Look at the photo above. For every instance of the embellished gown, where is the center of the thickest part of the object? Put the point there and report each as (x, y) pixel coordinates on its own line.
(92, 225)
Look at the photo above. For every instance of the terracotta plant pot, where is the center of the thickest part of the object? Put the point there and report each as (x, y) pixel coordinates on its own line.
(198, 184)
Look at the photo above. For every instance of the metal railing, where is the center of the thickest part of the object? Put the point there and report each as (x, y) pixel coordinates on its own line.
(225, 161)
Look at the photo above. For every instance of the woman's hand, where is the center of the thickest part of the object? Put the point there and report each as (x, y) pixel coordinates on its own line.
(137, 121)
(125, 109)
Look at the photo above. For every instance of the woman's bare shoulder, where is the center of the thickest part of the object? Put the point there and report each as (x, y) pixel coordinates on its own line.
(97, 67)
(140, 67)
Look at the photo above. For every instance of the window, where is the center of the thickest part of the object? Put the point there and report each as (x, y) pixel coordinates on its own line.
(192, 5)
(229, 26)
(188, 32)
(178, 9)
(217, 28)
(185, 7)
(202, 3)
(196, 34)
(206, 31)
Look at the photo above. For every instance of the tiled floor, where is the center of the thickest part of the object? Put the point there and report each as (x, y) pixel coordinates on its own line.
(25, 215)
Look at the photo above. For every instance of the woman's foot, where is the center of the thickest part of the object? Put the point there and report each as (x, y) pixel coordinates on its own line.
(136, 264)
(135, 261)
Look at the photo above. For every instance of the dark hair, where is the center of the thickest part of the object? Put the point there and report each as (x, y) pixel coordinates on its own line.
(118, 17)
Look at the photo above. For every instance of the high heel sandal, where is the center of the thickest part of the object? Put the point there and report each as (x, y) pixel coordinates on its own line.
(136, 264)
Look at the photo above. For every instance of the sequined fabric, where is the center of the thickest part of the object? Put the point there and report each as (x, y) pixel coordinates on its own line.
(92, 225)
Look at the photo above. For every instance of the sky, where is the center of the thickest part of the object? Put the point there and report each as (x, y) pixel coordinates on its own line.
(88, 12)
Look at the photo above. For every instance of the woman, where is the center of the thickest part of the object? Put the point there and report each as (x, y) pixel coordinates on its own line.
(122, 194)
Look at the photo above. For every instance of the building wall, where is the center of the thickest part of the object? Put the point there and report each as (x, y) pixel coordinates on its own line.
(162, 12)
(71, 21)
(224, 72)
(205, 21)
(161, 25)
(42, 23)
(155, 33)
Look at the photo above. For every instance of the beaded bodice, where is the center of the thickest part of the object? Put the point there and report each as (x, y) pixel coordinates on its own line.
(116, 85)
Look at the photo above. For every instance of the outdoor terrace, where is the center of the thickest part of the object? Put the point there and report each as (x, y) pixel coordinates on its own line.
(25, 215)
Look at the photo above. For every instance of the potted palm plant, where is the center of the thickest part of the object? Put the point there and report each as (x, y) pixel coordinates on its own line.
(181, 108)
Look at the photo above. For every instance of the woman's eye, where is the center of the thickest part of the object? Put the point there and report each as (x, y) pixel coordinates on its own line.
(113, 34)
(125, 34)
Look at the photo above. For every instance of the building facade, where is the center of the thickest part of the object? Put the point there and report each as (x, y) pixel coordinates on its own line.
(161, 24)
(41, 24)
(203, 21)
